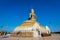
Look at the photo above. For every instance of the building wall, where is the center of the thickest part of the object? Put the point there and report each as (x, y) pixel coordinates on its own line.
(23, 34)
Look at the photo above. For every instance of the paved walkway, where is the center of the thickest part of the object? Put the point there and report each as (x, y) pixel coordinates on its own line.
(52, 37)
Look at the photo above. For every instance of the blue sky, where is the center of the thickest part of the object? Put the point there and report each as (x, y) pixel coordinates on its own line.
(14, 12)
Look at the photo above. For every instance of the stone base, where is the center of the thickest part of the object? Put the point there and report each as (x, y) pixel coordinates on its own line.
(45, 34)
